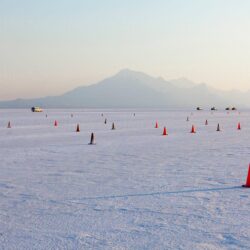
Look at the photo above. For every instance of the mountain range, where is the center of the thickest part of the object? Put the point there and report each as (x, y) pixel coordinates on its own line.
(131, 89)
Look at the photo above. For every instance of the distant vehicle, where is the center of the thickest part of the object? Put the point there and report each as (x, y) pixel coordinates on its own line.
(228, 108)
(234, 108)
(198, 108)
(213, 108)
(36, 109)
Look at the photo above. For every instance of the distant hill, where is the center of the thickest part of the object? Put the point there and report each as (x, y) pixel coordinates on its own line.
(131, 89)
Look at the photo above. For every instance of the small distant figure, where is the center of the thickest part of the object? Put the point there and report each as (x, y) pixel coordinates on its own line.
(218, 128)
(102, 114)
(71, 115)
(187, 119)
(9, 125)
(105, 121)
(46, 116)
(206, 122)
(92, 139)
(134, 114)
(113, 126)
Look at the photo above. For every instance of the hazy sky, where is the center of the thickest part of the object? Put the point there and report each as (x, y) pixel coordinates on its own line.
(48, 47)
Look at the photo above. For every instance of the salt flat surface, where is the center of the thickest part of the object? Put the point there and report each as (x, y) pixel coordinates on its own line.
(134, 189)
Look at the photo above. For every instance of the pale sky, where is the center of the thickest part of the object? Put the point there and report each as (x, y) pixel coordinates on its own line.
(48, 47)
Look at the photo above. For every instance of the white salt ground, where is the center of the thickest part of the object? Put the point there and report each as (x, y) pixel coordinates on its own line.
(134, 189)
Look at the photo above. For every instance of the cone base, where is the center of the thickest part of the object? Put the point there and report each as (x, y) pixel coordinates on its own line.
(246, 186)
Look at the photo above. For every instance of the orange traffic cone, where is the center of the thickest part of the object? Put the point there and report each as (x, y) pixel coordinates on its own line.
(164, 131)
(156, 125)
(218, 127)
(92, 139)
(206, 122)
(78, 128)
(9, 126)
(193, 129)
(55, 123)
(247, 185)
(239, 126)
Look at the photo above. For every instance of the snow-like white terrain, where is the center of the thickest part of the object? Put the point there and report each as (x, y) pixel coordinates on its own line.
(134, 189)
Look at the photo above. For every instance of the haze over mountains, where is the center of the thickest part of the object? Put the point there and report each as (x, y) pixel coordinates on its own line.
(131, 89)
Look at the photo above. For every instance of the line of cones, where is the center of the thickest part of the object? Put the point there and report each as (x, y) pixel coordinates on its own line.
(193, 130)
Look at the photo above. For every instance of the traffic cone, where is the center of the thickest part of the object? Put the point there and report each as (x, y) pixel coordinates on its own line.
(156, 125)
(113, 126)
(78, 128)
(239, 126)
(206, 122)
(247, 185)
(164, 131)
(55, 123)
(193, 129)
(218, 127)
(92, 139)
(9, 126)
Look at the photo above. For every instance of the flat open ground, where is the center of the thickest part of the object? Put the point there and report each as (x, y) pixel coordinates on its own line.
(134, 189)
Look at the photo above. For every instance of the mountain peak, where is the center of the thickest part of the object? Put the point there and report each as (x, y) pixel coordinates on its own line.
(129, 72)
(125, 71)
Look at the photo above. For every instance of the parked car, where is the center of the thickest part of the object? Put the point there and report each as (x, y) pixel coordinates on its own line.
(36, 109)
